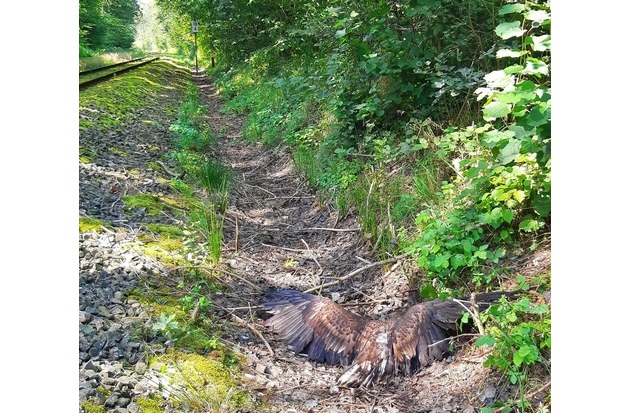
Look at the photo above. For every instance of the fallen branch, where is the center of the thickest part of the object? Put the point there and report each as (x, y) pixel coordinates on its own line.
(535, 392)
(321, 271)
(252, 328)
(358, 271)
(231, 274)
(328, 229)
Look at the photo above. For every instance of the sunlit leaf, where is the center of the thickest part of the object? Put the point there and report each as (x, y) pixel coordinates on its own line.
(495, 110)
(510, 53)
(537, 15)
(511, 8)
(509, 29)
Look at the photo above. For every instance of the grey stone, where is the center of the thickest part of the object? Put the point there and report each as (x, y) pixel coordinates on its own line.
(111, 400)
(84, 317)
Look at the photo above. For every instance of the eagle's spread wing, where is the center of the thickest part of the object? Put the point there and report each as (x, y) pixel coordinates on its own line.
(327, 332)
(376, 348)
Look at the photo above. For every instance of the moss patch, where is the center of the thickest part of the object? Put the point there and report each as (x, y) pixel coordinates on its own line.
(92, 224)
(118, 151)
(167, 258)
(108, 104)
(209, 384)
(86, 155)
(92, 407)
(152, 404)
(149, 202)
(154, 205)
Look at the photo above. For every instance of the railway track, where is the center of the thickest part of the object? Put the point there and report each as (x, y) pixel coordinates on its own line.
(93, 76)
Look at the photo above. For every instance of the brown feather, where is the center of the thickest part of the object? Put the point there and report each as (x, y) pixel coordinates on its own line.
(376, 349)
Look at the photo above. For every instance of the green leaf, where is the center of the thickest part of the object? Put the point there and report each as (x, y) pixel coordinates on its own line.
(495, 110)
(495, 138)
(429, 292)
(340, 33)
(514, 69)
(542, 205)
(539, 115)
(498, 79)
(539, 309)
(535, 67)
(541, 43)
(511, 8)
(509, 29)
(485, 341)
(510, 53)
(508, 215)
(509, 151)
(537, 15)
(529, 225)
(465, 317)
(519, 196)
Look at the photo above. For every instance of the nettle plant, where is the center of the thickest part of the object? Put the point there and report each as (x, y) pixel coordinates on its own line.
(503, 183)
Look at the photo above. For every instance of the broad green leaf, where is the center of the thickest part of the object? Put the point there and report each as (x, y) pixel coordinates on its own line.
(509, 29)
(535, 67)
(485, 341)
(457, 261)
(538, 116)
(528, 225)
(541, 43)
(440, 261)
(513, 69)
(428, 292)
(508, 215)
(537, 15)
(511, 8)
(509, 151)
(499, 79)
(495, 110)
(539, 309)
(519, 196)
(542, 205)
(492, 138)
(510, 53)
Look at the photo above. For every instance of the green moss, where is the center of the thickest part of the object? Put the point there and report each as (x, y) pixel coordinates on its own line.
(154, 166)
(150, 202)
(91, 407)
(154, 205)
(104, 392)
(152, 404)
(108, 104)
(86, 155)
(208, 382)
(166, 257)
(92, 224)
(118, 151)
(170, 231)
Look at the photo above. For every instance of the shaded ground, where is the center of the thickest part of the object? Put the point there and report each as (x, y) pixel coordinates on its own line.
(278, 234)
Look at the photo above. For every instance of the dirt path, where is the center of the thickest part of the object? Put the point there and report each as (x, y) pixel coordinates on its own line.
(279, 234)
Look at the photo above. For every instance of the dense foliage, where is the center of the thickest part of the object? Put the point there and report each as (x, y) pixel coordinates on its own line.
(431, 119)
(106, 25)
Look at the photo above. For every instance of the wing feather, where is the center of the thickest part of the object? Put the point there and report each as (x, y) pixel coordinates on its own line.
(316, 325)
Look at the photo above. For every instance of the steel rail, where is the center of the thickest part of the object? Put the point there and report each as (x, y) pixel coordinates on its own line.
(91, 82)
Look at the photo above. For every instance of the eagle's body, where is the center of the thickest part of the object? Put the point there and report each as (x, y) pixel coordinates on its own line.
(374, 349)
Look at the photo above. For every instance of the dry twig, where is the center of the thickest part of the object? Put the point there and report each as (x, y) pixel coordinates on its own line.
(358, 271)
